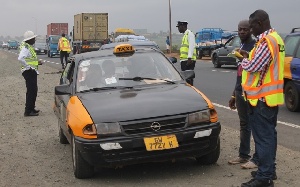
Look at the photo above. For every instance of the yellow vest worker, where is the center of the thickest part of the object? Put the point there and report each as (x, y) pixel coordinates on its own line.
(271, 89)
(64, 49)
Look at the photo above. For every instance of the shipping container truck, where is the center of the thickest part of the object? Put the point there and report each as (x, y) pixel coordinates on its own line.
(54, 32)
(57, 29)
(90, 31)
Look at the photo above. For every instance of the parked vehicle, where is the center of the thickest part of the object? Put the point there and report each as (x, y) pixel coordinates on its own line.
(292, 71)
(4, 45)
(123, 106)
(219, 56)
(90, 31)
(12, 44)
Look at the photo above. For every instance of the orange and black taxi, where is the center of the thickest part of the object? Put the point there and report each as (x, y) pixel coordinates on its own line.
(128, 106)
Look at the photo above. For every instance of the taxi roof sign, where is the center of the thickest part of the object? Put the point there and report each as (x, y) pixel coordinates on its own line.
(124, 50)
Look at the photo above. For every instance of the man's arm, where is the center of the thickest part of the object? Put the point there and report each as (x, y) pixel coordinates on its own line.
(261, 58)
(192, 44)
(22, 55)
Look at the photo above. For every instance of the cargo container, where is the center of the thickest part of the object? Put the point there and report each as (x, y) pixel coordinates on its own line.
(90, 31)
(57, 28)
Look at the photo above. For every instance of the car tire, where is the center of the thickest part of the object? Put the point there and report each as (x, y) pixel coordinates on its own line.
(215, 61)
(291, 97)
(62, 138)
(48, 54)
(212, 157)
(199, 54)
(82, 169)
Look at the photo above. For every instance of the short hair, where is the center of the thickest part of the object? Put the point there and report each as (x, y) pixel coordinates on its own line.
(259, 15)
(63, 35)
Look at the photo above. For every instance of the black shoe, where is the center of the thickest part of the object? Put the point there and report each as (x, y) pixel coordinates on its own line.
(35, 111)
(253, 174)
(258, 183)
(30, 114)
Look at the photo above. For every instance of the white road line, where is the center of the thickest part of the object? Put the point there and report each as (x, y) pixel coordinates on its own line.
(280, 122)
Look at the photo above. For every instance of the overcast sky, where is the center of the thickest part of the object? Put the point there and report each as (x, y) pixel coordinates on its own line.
(17, 16)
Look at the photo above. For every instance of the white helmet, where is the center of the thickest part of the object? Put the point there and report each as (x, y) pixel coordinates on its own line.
(29, 35)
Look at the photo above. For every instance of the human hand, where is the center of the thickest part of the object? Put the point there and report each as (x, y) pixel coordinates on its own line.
(40, 62)
(232, 103)
(189, 62)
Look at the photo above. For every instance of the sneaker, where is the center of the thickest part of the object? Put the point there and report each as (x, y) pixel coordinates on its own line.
(238, 160)
(30, 114)
(258, 183)
(249, 165)
(253, 174)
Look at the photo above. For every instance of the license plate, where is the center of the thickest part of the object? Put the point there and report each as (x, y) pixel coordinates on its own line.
(161, 142)
(42, 51)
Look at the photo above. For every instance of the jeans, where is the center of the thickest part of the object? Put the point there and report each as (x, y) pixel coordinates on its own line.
(64, 55)
(30, 77)
(263, 122)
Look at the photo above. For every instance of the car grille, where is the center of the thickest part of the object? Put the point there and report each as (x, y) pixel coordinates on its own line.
(148, 125)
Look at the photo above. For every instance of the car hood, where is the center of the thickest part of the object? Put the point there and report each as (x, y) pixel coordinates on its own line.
(141, 103)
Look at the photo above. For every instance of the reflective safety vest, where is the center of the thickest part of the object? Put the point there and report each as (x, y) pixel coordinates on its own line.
(32, 61)
(64, 44)
(271, 88)
(184, 49)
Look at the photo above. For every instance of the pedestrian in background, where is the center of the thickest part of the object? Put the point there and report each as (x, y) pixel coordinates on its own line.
(29, 69)
(187, 49)
(238, 102)
(262, 82)
(64, 49)
(168, 44)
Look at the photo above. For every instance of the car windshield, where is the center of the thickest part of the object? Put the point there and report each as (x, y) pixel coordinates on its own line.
(54, 39)
(143, 68)
(13, 42)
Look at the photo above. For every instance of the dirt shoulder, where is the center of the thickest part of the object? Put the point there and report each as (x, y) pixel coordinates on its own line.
(31, 155)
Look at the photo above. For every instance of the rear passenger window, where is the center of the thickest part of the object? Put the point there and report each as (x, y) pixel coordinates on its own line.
(291, 42)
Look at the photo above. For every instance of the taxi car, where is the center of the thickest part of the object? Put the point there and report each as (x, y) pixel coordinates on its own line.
(292, 71)
(128, 106)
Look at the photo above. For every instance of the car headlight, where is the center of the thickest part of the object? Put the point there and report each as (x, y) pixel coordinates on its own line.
(198, 117)
(36, 49)
(108, 128)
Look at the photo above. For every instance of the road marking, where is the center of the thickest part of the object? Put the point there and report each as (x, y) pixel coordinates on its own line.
(280, 122)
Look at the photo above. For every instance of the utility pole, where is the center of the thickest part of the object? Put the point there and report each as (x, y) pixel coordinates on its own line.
(170, 26)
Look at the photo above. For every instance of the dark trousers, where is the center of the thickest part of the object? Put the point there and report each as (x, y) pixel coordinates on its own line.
(30, 77)
(263, 120)
(191, 66)
(245, 128)
(64, 55)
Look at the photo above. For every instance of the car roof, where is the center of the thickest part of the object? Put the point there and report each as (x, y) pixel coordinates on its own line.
(135, 43)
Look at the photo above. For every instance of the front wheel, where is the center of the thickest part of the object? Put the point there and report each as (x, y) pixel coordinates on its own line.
(215, 61)
(291, 97)
(199, 54)
(211, 157)
(82, 169)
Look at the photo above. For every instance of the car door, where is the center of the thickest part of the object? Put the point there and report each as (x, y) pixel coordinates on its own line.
(230, 45)
(295, 67)
(292, 57)
(61, 101)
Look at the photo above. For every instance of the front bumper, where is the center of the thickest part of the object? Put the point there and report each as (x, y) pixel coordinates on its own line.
(134, 150)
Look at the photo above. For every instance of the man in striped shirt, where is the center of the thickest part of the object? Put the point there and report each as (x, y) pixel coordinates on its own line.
(263, 87)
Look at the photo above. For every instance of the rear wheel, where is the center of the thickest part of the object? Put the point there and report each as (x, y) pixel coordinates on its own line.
(291, 97)
(215, 61)
(211, 157)
(82, 169)
(199, 54)
(48, 54)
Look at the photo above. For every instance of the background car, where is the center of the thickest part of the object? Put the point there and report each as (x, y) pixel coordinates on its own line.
(219, 56)
(123, 106)
(40, 48)
(292, 70)
(12, 44)
(4, 45)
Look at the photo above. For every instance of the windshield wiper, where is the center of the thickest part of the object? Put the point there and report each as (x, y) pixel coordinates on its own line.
(107, 88)
(146, 78)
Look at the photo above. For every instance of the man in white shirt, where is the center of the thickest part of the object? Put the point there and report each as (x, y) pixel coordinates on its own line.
(29, 68)
(187, 49)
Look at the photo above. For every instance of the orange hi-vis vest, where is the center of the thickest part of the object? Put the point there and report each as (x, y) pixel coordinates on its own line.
(271, 88)
(64, 44)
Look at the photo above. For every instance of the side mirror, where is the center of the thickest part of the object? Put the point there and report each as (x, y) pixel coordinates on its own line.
(173, 59)
(188, 74)
(62, 89)
(222, 45)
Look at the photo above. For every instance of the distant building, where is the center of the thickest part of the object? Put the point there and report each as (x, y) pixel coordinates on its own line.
(140, 31)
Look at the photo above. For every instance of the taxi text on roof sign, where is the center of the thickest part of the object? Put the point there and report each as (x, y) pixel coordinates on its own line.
(123, 50)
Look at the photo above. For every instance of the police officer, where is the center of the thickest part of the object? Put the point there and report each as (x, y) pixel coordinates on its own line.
(64, 48)
(29, 69)
(187, 49)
